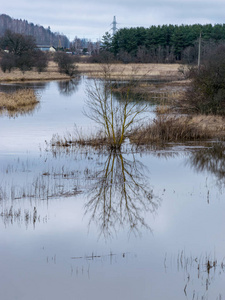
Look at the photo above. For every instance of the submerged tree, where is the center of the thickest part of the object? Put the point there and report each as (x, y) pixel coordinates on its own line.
(116, 118)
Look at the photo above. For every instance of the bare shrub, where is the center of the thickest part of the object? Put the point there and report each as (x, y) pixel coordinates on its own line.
(7, 62)
(40, 60)
(114, 118)
(206, 94)
(65, 63)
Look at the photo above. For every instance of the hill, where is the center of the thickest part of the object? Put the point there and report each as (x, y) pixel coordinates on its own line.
(42, 35)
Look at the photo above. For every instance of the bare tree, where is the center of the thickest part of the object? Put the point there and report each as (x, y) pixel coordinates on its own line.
(115, 117)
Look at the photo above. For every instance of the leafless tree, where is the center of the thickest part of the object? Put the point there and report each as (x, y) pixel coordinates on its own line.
(116, 118)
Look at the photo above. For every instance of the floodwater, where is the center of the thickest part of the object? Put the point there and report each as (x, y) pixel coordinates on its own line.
(88, 225)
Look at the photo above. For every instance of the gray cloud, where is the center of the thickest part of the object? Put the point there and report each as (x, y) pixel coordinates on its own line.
(91, 19)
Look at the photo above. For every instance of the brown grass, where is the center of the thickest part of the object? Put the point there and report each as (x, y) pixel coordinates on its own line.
(96, 141)
(132, 71)
(50, 74)
(167, 129)
(117, 71)
(21, 101)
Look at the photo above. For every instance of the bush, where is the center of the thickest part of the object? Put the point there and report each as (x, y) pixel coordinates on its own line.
(65, 63)
(103, 57)
(7, 62)
(40, 60)
(206, 94)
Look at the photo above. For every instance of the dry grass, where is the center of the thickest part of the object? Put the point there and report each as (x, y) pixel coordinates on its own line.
(132, 71)
(21, 101)
(167, 129)
(117, 71)
(97, 140)
(50, 74)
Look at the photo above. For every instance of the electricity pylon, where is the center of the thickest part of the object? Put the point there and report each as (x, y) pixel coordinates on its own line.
(114, 28)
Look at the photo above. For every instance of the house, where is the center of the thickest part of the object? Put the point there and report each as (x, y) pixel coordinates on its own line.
(46, 48)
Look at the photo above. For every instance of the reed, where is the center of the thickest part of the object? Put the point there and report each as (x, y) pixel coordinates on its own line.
(166, 129)
(19, 101)
(95, 140)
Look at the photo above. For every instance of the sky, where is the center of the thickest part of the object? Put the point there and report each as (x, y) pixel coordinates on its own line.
(91, 19)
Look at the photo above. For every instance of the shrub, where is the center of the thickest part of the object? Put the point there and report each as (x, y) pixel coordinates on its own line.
(206, 94)
(65, 63)
(40, 60)
(22, 53)
(7, 62)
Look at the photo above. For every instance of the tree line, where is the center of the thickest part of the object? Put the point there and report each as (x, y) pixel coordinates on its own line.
(42, 36)
(163, 44)
(20, 51)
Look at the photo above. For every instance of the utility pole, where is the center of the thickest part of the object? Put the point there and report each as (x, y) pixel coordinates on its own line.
(199, 50)
(114, 28)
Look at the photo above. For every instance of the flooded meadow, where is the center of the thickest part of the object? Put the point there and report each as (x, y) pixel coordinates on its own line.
(83, 223)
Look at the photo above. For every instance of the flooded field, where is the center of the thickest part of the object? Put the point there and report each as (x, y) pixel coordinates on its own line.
(92, 225)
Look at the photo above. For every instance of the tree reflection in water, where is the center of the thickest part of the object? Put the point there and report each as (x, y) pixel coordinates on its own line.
(120, 195)
(69, 87)
(211, 159)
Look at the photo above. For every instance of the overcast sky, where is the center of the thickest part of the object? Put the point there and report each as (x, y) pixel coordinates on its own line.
(92, 18)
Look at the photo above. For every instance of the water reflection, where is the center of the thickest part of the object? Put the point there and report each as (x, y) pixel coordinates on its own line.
(69, 87)
(13, 87)
(200, 273)
(210, 159)
(117, 188)
(20, 216)
(120, 195)
(21, 111)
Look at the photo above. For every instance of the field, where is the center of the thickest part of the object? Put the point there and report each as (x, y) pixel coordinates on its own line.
(118, 71)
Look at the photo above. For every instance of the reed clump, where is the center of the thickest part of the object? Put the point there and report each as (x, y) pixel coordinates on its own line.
(97, 140)
(167, 129)
(20, 101)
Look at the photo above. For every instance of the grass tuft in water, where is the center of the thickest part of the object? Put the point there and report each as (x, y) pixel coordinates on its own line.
(21, 101)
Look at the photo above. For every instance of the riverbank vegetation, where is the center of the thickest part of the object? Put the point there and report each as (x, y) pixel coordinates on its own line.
(172, 129)
(206, 92)
(21, 101)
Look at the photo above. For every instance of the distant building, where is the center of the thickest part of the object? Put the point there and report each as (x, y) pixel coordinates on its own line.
(46, 48)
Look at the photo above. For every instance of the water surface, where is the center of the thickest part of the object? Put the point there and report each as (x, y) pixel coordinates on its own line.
(88, 225)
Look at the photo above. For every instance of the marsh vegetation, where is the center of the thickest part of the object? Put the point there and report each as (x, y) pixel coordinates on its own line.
(18, 102)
